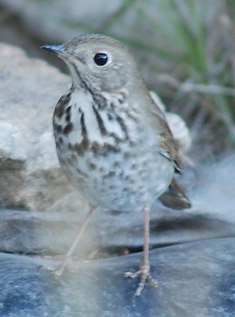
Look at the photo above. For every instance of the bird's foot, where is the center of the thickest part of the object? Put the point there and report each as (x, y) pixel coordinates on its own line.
(145, 276)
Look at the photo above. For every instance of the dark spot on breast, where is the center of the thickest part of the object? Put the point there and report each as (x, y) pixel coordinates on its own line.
(85, 143)
(116, 164)
(100, 122)
(62, 161)
(132, 143)
(109, 149)
(110, 118)
(83, 126)
(81, 147)
(68, 128)
(92, 166)
(68, 115)
(109, 175)
(81, 172)
(68, 110)
(127, 155)
(74, 157)
(60, 141)
(123, 126)
(57, 128)
(133, 166)
(123, 97)
(62, 103)
(95, 147)
(70, 161)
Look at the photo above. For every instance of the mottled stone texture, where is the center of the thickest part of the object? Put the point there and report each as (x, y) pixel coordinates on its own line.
(30, 176)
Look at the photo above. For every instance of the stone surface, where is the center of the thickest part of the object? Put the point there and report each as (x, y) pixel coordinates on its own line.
(30, 176)
(49, 19)
(195, 279)
(52, 233)
(213, 193)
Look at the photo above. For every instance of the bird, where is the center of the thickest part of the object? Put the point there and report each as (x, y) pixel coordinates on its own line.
(112, 140)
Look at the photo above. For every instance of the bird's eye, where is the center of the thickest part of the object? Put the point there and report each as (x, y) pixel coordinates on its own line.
(101, 59)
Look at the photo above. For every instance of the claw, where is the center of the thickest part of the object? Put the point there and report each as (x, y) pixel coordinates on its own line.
(145, 276)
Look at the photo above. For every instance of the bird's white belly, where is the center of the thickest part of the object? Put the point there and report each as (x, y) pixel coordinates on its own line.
(119, 181)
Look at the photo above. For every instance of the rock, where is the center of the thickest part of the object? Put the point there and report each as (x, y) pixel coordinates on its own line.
(195, 279)
(29, 89)
(213, 192)
(51, 233)
(47, 19)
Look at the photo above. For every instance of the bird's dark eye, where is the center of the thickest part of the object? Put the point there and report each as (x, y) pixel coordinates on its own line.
(101, 59)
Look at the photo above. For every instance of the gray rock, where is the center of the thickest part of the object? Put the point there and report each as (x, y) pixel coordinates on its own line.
(48, 18)
(195, 279)
(213, 193)
(52, 233)
(30, 176)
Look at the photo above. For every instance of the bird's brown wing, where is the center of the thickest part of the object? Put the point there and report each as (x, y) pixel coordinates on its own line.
(168, 145)
(169, 149)
(174, 197)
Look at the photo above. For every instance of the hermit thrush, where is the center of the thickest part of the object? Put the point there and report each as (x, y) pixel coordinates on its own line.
(112, 140)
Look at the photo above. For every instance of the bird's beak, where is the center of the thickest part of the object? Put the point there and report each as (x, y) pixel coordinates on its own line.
(59, 50)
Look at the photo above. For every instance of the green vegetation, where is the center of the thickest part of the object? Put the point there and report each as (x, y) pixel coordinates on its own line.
(189, 48)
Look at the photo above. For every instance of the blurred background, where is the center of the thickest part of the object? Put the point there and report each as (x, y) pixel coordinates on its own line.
(185, 49)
